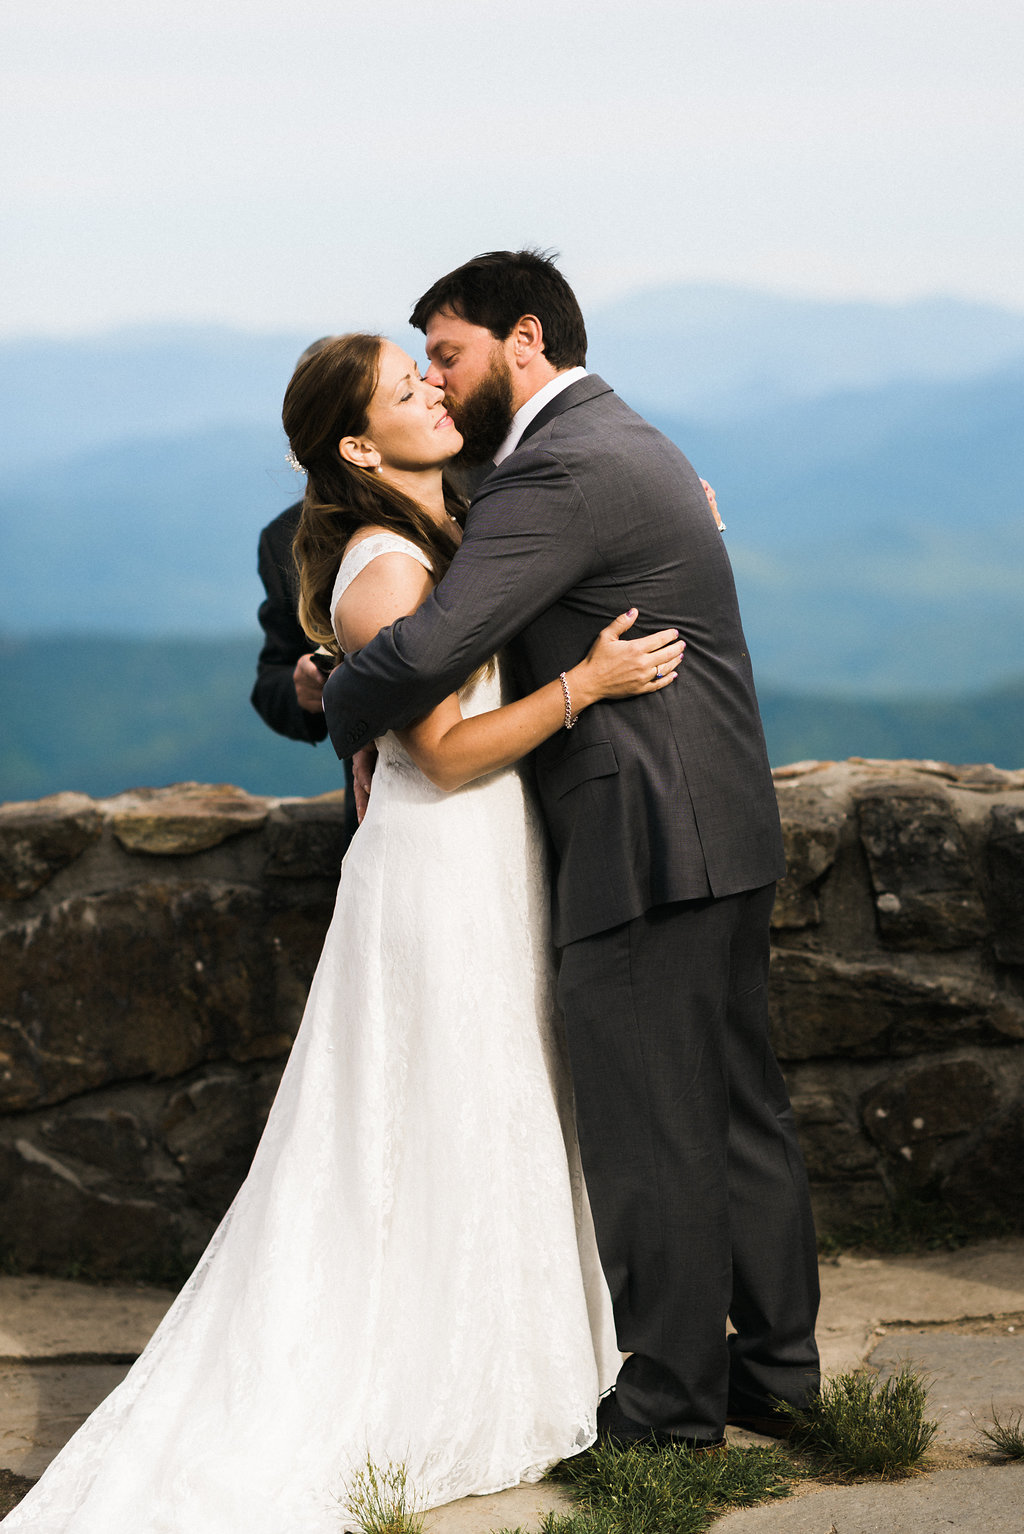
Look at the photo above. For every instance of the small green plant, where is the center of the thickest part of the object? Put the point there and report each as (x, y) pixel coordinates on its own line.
(381, 1501)
(861, 1425)
(643, 1490)
(574, 1523)
(1007, 1438)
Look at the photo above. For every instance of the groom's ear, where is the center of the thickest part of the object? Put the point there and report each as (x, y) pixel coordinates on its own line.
(359, 451)
(525, 340)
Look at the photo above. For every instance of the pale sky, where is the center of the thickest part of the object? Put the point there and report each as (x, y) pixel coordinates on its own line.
(305, 165)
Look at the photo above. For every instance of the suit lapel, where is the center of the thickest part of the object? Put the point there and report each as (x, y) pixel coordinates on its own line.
(576, 394)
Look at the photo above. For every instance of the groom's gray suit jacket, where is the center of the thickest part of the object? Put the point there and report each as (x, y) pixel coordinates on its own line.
(653, 799)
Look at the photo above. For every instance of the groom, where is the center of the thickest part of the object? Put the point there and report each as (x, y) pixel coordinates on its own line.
(662, 814)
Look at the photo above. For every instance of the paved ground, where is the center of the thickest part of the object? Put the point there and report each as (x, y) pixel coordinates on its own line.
(990, 1501)
(959, 1315)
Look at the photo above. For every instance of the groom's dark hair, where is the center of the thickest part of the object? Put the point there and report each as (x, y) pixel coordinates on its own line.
(497, 289)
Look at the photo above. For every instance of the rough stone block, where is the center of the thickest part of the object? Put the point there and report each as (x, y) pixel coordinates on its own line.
(187, 818)
(833, 1145)
(212, 1128)
(306, 840)
(150, 980)
(811, 835)
(825, 1006)
(103, 1137)
(1004, 866)
(911, 1116)
(988, 1176)
(925, 892)
(38, 839)
(52, 1221)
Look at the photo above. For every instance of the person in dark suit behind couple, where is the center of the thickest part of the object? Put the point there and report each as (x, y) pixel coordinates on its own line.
(286, 693)
(664, 823)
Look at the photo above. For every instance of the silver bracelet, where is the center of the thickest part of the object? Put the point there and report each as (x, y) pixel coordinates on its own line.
(570, 717)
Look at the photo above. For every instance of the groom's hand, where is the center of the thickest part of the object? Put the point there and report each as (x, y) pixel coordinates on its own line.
(363, 764)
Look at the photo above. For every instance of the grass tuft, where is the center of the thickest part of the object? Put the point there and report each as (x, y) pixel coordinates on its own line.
(644, 1490)
(382, 1501)
(1007, 1438)
(860, 1425)
(573, 1523)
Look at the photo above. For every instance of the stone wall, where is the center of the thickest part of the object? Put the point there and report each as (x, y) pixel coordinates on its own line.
(155, 951)
(898, 981)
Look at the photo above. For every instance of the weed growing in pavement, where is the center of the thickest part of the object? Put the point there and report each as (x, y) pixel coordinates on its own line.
(861, 1425)
(1007, 1438)
(381, 1501)
(644, 1490)
(575, 1523)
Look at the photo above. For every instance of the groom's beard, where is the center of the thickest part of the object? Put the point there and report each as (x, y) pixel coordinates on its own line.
(485, 417)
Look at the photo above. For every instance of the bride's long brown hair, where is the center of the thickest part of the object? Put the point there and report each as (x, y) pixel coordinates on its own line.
(327, 399)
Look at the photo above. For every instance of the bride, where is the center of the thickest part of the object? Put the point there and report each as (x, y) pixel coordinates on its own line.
(408, 1275)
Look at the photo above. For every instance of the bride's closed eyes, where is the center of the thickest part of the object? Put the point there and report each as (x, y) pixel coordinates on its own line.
(402, 385)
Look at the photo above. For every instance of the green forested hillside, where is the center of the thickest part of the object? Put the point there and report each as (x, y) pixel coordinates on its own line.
(986, 727)
(101, 715)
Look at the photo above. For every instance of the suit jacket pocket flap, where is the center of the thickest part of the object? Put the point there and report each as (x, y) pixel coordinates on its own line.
(596, 761)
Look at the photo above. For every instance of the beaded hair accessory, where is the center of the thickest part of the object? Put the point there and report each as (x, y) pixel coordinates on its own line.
(293, 463)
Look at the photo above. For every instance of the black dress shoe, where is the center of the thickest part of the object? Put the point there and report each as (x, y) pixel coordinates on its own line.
(618, 1431)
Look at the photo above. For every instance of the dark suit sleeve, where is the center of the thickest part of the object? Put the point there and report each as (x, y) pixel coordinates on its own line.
(528, 540)
(273, 695)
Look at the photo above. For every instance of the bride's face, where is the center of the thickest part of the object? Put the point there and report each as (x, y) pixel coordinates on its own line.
(408, 424)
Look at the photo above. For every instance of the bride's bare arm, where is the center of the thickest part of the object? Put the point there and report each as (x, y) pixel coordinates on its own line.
(450, 750)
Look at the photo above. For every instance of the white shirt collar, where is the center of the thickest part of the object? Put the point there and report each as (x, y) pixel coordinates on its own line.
(534, 405)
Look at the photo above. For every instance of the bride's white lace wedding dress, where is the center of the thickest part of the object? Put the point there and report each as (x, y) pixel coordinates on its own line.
(408, 1273)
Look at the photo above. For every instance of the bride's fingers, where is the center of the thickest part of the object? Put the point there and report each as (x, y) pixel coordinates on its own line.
(658, 641)
(619, 625)
(664, 662)
(666, 655)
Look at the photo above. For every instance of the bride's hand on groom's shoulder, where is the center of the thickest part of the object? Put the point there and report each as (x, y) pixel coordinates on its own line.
(713, 503)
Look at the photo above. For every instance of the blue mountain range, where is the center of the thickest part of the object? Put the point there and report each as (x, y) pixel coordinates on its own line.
(867, 459)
